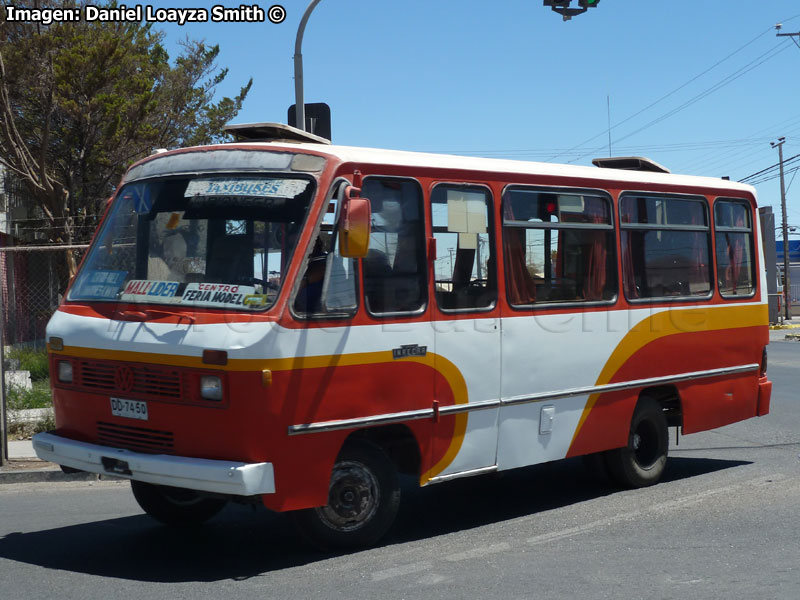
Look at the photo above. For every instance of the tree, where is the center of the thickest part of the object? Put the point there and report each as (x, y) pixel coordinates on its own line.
(80, 101)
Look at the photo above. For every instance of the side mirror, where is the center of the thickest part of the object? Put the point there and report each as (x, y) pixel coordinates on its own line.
(354, 224)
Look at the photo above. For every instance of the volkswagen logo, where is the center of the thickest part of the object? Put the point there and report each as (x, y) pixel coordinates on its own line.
(123, 378)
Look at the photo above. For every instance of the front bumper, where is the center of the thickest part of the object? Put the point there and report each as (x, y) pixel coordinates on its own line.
(220, 476)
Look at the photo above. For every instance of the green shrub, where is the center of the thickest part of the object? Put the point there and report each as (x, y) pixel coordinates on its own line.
(39, 396)
(31, 360)
(24, 430)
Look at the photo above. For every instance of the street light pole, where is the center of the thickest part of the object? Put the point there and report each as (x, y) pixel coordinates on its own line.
(786, 280)
(299, 102)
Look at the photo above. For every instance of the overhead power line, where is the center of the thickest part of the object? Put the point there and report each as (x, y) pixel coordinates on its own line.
(770, 54)
(741, 158)
(771, 167)
(773, 176)
(667, 95)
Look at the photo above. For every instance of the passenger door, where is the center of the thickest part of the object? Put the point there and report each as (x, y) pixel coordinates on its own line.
(466, 327)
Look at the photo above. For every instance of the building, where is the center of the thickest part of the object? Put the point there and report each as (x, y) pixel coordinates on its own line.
(794, 271)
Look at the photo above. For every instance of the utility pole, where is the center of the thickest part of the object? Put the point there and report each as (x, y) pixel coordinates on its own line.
(789, 35)
(787, 296)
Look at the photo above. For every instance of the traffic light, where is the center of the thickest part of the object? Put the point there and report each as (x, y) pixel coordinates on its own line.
(562, 7)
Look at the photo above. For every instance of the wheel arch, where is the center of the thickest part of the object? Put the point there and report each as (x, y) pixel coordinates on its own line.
(398, 442)
(670, 400)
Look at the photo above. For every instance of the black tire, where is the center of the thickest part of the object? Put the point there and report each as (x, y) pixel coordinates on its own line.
(175, 506)
(641, 463)
(595, 465)
(363, 498)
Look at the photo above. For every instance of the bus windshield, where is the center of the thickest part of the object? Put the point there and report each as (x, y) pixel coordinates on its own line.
(203, 241)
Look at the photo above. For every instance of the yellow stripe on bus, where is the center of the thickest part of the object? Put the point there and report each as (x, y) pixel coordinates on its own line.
(671, 322)
(440, 364)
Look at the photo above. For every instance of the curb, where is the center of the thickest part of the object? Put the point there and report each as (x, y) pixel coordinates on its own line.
(783, 327)
(48, 474)
(43, 476)
(29, 415)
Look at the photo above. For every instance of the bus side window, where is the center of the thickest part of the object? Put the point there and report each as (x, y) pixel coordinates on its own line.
(464, 265)
(558, 246)
(394, 269)
(733, 233)
(665, 246)
(328, 286)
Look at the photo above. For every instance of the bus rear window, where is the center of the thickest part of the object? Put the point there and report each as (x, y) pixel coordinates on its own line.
(214, 242)
(733, 232)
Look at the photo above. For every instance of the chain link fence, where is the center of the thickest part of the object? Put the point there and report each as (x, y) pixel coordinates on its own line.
(33, 279)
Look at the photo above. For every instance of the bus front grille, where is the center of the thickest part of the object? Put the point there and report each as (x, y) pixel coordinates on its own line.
(152, 381)
(139, 439)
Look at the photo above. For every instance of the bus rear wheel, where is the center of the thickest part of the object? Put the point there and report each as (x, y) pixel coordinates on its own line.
(175, 506)
(363, 499)
(641, 463)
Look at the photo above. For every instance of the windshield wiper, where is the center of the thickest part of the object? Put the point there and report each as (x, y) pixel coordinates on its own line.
(147, 314)
(157, 311)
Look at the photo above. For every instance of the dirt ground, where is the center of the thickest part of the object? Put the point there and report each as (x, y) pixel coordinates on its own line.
(26, 464)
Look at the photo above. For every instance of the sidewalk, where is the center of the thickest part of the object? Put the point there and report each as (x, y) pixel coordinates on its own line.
(24, 466)
(789, 330)
(21, 449)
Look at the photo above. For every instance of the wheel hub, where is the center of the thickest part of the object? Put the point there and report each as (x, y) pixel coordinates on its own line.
(353, 497)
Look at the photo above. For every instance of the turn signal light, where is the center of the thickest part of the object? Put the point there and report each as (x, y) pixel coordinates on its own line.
(215, 357)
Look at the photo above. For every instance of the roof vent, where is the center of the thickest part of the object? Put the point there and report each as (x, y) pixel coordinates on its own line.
(630, 163)
(272, 132)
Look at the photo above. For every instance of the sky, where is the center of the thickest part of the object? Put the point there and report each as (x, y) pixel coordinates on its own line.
(700, 86)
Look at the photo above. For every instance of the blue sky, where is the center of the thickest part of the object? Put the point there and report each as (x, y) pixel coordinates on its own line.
(700, 86)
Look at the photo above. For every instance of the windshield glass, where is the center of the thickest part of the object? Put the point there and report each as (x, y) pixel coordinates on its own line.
(203, 241)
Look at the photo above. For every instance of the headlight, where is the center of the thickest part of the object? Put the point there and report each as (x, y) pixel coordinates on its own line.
(65, 371)
(211, 387)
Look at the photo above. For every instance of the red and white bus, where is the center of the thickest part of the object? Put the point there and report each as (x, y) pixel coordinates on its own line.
(296, 323)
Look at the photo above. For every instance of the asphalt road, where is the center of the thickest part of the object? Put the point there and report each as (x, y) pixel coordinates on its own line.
(723, 524)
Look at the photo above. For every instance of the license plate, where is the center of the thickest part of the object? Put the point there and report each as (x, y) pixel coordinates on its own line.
(130, 409)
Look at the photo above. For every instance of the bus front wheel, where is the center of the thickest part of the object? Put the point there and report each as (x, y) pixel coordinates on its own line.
(363, 498)
(641, 463)
(175, 506)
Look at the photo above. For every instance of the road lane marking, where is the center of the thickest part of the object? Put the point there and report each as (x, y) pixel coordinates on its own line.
(478, 552)
(668, 505)
(400, 571)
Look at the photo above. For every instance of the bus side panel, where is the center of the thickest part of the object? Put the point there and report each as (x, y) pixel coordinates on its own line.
(303, 463)
(607, 425)
(706, 403)
(711, 403)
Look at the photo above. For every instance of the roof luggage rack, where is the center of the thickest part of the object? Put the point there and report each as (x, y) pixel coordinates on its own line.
(272, 132)
(630, 163)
